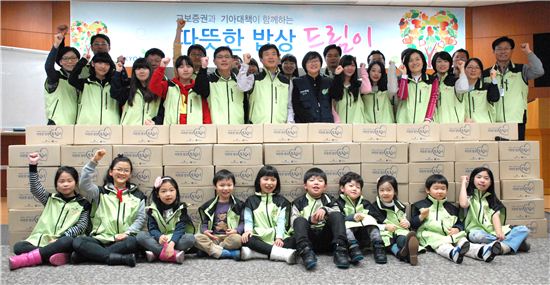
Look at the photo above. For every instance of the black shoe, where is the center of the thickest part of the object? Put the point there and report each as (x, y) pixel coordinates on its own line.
(122, 259)
(379, 253)
(524, 246)
(76, 258)
(355, 254)
(308, 257)
(341, 257)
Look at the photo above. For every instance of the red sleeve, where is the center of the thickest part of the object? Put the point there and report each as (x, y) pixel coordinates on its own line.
(206, 119)
(157, 85)
(403, 92)
(434, 96)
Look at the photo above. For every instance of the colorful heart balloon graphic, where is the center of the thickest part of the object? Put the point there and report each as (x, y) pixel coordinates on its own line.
(82, 32)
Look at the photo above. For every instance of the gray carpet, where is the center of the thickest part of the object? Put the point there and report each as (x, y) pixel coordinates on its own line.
(525, 268)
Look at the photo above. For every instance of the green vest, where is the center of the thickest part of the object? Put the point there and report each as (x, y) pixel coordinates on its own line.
(478, 108)
(351, 208)
(62, 103)
(140, 111)
(434, 229)
(269, 100)
(511, 107)
(167, 227)
(265, 218)
(480, 215)
(393, 217)
(450, 107)
(312, 206)
(232, 217)
(111, 217)
(378, 108)
(96, 105)
(172, 106)
(350, 110)
(413, 109)
(226, 101)
(57, 217)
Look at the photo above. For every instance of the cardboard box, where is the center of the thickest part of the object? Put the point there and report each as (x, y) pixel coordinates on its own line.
(418, 172)
(538, 228)
(522, 189)
(244, 175)
(196, 196)
(50, 155)
(98, 177)
(489, 131)
(373, 171)
(281, 133)
(292, 174)
(333, 190)
(23, 220)
(18, 177)
(431, 151)
(80, 155)
(51, 134)
(326, 153)
(417, 192)
(193, 213)
(519, 150)
(519, 169)
(335, 171)
(191, 175)
(417, 132)
(238, 154)
(459, 132)
(15, 237)
(84, 134)
(144, 177)
(466, 168)
(292, 192)
(385, 152)
(242, 193)
(524, 209)
(327, 132)
(370, 192)
(297, 153)
(191, 154)
(140, 155)
(476, 151)
(374, 132)
(146, 134)
(193, 134)
(21, 198)
(241, 134)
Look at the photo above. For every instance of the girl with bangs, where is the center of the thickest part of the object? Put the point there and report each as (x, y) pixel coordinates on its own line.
(379, 102)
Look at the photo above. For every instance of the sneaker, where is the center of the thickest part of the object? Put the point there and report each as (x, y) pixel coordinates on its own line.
(380, 253)
(489, 251)
(524, 246)
(233, 254)
(59, 259)
(355, 254)
(413, 245)
(341, 257)
(309, 258)
(150, 256)
(457, 254)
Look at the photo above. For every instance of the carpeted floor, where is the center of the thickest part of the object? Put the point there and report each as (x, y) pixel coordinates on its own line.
(525, 268)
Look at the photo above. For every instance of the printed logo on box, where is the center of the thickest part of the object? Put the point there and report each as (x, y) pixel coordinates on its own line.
(245, 132)
(196, 196)
(295, 193)
(464, 130)
(502, 130)
(390, 152)
(295, 153)
(523, 149)
(43, 153)
(104, 134)
(392, 170)
(438, 150)
(342, 152)
(194, 154)
(143, 176)
(199, 132)
(290, 132)
(143, 155)
(42, 175)
(423, 130)
(247, 174)
(243, 195)
(470, 169)
(55, 133)
(379, 131)
(528, 208)
(524, 168)
(482, 150)
(152, 133)
(295, 173)
(437, 169)
(528, 188)
(244, 153)
(533, 227)
(338, 172)
(195, 174)
(336, 132)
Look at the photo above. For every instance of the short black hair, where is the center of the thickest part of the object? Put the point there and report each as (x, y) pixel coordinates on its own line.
(351, 176)
(223, 174)
(103, 36)
(444, 56)
(181, 59)
(268, 47)
(222, 48)
(375, 52)
(291, 58)
(408, 58)
(155, 194)
(62, 51)
(119, 158)
(237, 57)
(196, 46)
(311, 55)
(154, 51)
(436, 179)
(66, 169)
(390, 179)
(332, 46)
(315, 171)
(503, 39)
(270, 171)
(462, 50)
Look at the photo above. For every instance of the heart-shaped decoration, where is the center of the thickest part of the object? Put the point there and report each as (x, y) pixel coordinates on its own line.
(82, 32)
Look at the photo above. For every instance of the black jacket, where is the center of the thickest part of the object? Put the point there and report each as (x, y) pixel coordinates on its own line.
(311, 99)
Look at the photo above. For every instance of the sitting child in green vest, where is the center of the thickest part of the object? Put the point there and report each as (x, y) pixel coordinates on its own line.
(486, 215)
(118, 214)
(361, 225)
(318, 223)
(266, 216)
(50, 241)
(167, 223)
(221, 220)
(395, 231)
(439, 228)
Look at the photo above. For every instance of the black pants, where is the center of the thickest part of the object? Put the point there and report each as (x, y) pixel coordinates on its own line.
(324, 239)
(62, 244)
(366, 235)
(89, 248)
(258, 245)
(521, 127)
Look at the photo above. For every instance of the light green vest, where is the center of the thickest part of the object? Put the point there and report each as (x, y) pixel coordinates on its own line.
(349, 110)
(96, 105)
(351, 208)
(269, 101)
(168, 226)
(312, 206)
(512, 105)
(393, 217)
(450, 107)
(378, 108)
(265, 218)
(226, 102)
(232, 217)
(480, 215)
(172, 106)
(140, 111)
(62, 103)
(434, 230)
(111, 217)
(413, 110)
(57, 217)
(477, 108)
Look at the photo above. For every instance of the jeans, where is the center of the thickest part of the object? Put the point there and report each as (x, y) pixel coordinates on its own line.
(513, 239)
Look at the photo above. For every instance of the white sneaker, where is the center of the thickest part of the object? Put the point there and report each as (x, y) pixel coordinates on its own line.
(491, 250)
(457, 254)
(180, 256)
(150, 256)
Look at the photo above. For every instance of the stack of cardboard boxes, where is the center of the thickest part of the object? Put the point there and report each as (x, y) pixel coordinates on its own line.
(193, 153)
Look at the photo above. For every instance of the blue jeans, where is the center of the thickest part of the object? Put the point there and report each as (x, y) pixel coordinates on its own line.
(513, 238)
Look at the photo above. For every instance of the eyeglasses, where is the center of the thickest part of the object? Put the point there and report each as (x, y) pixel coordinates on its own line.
(502, 49)
(69, 58)
(223, 56)
(100, 44)
(193, 54)
(122, 170)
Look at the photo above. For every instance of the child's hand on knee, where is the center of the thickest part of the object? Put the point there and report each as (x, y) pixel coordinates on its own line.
(390, 228)
(120, 237)
(405, 223)
(245, 236)
(163, 239)
(358, 217)
(209, 234)
(453, 231)
(278, 242)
